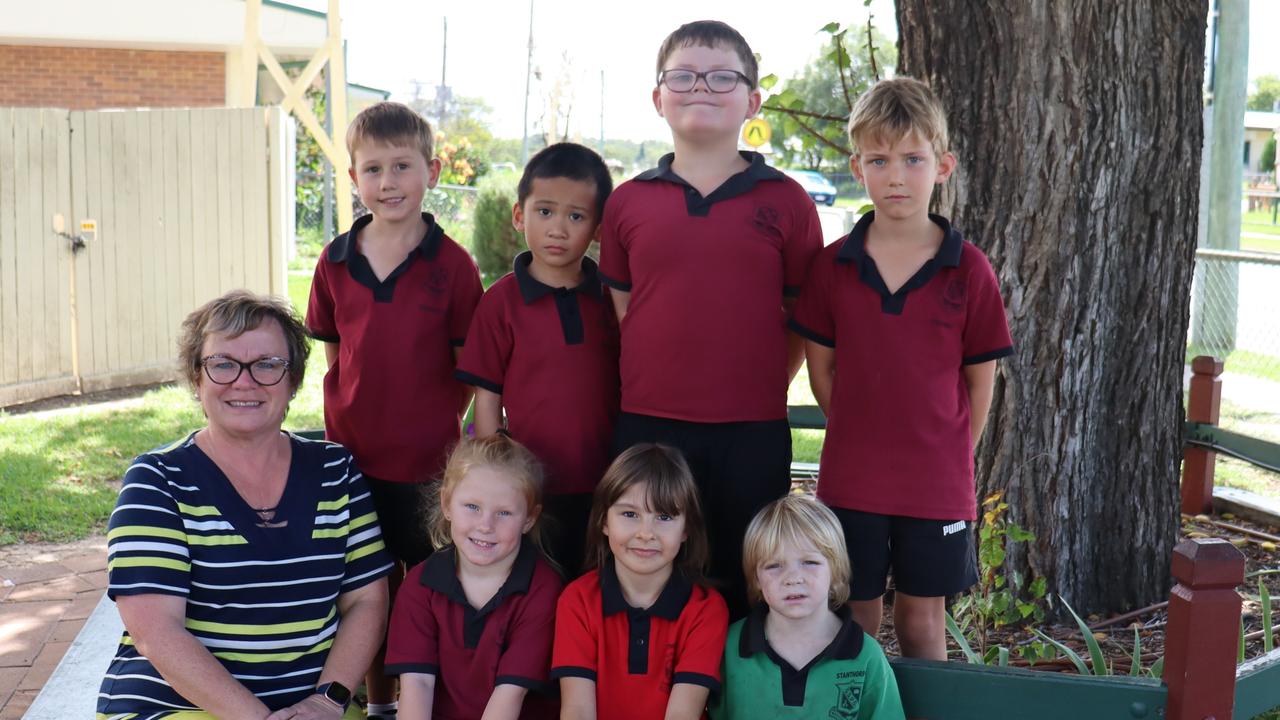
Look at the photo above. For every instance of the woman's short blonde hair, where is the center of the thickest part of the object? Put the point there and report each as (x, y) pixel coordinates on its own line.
(893, 109)
(234, 314)
(796, 520)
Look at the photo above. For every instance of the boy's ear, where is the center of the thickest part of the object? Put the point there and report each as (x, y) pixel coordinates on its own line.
(754, 99)
(351, 171)
(657, 101)
(433, 172)
(517, 217)
(946, 166)
(855, 167)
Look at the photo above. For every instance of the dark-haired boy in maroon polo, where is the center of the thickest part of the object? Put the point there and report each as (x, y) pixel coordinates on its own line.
(704, 254)
(904, 324)
(392, 299)
(543, 345)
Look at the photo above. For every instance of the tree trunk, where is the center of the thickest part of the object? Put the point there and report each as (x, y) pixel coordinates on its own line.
(1077, 124)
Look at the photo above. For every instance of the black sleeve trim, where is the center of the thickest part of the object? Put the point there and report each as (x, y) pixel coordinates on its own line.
(984, 357)
(790, 291)
(615, 284)
(465, 377)
(524, 682)
(573, 671)
(406, 668)
(691, 678)
(322, 338)
(808, 334)
(457, 342)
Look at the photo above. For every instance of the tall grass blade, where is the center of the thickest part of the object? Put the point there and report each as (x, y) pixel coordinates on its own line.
(973, 657)
(1098, 659)
(1268, 642)
(1072, 655)
(1136, 668)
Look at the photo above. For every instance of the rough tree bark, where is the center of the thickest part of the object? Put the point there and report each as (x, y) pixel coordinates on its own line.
(1077, 124)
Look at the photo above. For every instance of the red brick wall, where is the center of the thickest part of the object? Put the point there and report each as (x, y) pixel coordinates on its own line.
(90, 78)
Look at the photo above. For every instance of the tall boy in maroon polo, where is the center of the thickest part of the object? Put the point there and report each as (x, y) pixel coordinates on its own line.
(904, 323)
(543, 345)
(392, 300)
(703, 254)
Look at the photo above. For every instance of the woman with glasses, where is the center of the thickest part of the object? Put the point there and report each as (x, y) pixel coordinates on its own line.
(246, 562)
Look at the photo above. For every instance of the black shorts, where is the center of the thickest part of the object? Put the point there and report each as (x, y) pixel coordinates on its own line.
(402, 514)
(929, 558)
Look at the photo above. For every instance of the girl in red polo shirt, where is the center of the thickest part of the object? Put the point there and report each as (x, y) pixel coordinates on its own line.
(471, 628)
(640, 636)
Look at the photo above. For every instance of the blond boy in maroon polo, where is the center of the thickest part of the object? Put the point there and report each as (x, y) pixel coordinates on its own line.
(703, 254)
(904, 324)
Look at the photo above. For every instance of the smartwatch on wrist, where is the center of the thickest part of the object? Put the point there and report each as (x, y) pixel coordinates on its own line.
(336, 693)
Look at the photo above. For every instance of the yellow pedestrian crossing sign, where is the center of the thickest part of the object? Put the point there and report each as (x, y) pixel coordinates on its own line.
(756, 132)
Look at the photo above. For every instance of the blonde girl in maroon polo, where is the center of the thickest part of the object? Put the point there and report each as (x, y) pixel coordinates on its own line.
(640, 636)
(471, 632)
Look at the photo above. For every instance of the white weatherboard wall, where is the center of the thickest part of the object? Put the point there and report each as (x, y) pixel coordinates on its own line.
(186, 204)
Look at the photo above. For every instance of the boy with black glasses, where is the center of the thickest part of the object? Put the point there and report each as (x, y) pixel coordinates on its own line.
(705, 254)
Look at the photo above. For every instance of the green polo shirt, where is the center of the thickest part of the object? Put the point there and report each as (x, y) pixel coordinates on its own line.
(850, 679)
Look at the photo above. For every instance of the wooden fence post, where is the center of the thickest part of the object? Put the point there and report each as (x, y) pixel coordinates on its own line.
(1203, 632)
(1198, 463)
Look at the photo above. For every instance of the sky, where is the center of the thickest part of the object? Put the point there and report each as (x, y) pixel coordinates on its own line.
(393, 43)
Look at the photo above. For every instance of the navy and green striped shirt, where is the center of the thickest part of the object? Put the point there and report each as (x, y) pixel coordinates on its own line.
(263, 601)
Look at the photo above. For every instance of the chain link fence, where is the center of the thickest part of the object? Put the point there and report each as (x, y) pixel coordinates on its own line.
(1235, 311)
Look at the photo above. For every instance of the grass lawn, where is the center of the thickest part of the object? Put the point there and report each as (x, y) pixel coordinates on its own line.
(59, 472)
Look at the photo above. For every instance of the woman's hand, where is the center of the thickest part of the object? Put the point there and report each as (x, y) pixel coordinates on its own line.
(313, 707)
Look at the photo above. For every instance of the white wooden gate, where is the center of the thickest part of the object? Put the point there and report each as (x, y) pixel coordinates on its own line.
(174, 208)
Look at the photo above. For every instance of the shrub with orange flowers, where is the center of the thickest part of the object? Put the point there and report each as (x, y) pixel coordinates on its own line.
(461, 163)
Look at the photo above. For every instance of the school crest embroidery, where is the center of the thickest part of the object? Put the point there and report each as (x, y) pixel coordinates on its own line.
(848, 700)
(765, 221)
(953, 295)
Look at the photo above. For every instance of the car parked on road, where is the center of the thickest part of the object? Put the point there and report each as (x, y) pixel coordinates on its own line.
(818, 186)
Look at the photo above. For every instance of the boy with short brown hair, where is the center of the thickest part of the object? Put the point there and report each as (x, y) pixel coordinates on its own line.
(704, 254)
(392, 300)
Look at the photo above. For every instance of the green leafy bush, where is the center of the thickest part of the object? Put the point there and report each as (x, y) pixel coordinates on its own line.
(494, 242)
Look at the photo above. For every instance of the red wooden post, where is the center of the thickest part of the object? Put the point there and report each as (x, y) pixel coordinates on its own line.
(1198, 463)
(1203, 633)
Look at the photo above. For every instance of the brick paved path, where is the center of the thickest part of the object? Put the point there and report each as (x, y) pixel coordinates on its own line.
(46, 592)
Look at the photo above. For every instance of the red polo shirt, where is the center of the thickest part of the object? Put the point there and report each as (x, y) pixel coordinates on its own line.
(897, 438)
(634, 656)
(390, 397)
(552, 354)
(704, 338)
(435, 631)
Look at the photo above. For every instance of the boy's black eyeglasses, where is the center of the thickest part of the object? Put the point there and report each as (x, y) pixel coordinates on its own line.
(717, 81)
(223, 370)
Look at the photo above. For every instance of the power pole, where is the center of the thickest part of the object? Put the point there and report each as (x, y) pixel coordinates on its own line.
(1218, 289)
(528, 75)
(444, 94)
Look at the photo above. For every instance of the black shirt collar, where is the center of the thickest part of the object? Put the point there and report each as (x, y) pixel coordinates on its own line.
(342, 246)
(532, 289)
(846, 645)
(738, 184)
(670, 603)
(853, 247)
(758, 170)
(440, 573)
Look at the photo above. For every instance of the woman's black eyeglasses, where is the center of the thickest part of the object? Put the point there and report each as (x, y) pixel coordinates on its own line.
(223, 370)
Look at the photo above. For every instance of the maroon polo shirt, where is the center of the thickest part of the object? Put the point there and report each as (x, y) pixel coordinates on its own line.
(635, 655)
(435, 631)
(552, 354)
(897, 438)
(704, 338)
(390, 397)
